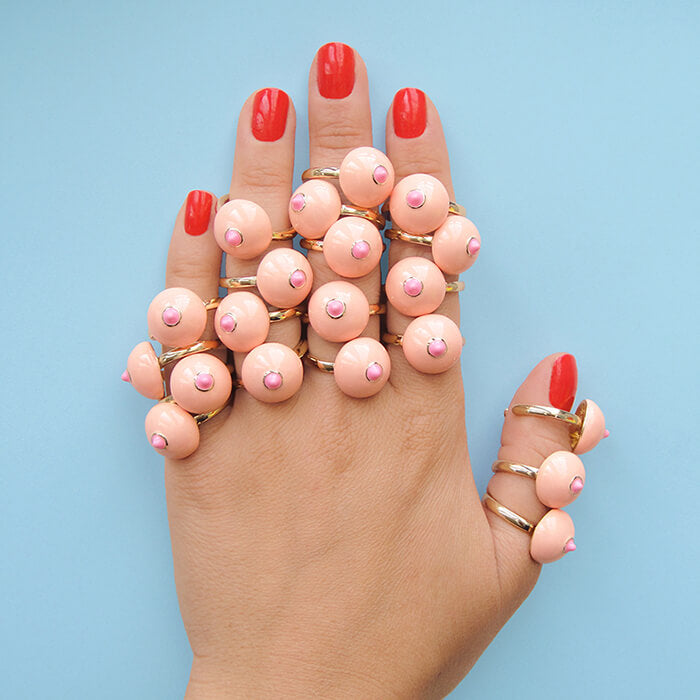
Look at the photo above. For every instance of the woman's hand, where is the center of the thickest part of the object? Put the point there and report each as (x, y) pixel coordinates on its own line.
(329, 546)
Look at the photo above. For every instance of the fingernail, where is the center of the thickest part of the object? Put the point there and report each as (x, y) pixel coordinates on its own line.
(335, 70)
(270, 109)
(197, 212)
(562, 385)
(410, 113)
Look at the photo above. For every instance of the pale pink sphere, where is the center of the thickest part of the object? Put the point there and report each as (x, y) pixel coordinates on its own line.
(456, 245)
(176, 317)
(419, 204)
(362, 367)
(272, 372)
(366, 176)
(242, 229)
(313, 207)
(338, 311)
(553, 537)
(432, 343)
(144, 371)
(415, 286)
(352, 247)
(172, 431)
(560, 479)
(200, 383)
(593, 430)
(242, 321)
(284, 277)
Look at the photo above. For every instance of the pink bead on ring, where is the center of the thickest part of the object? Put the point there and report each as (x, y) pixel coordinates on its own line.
(313, 207)
(176, 317)
(419, 204)
(242, 229)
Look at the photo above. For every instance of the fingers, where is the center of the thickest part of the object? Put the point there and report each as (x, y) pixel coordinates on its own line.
(194, 258)
(416, 144)
(263, 170)
(529, 440)
(339, 120)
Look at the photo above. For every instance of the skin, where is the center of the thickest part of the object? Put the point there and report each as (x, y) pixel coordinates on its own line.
(334, 547)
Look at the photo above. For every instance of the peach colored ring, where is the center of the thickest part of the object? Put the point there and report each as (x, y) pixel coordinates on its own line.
(299, 349)
(552, 537)
(283, 235)
(586, 425)
(558, 480)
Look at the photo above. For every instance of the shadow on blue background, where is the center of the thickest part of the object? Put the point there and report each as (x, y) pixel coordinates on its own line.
(573, 132)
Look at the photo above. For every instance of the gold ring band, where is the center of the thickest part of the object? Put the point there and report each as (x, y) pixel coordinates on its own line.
(178, 353)
(507, 514)
(237, 282)
(204, 417)
(284, 314)
(320, 174)
(323, 365)
(371, 215)
(282, 235)
(457, 286)
(508, 467)
(397, 234)
(457, 209)
(539, 411)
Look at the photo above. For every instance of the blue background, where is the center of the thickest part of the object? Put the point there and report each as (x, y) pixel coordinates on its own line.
(573, 131)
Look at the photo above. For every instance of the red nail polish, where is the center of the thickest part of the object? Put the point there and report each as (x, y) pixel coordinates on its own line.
(197, 212)
(335, 70)
(562, 385)
(410, 113)
(270, 109)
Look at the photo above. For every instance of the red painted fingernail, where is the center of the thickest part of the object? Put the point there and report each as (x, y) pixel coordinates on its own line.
(335, 70)
(270, 109)
(410, 113)
(197, 212)
(562, 385)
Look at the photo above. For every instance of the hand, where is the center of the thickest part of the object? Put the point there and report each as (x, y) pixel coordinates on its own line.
(333, 547)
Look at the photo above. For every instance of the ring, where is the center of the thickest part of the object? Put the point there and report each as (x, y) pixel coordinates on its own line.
(320, 173)
(283, 235)
(559, 480)
(284, 314)
(452, 208)
(299, 349)
(586, 426)
(512, 518)
(370, 214)
(199, 418)
(178, 353)
(237, 282)
(550, 539)
(323, 365)
(397, 234)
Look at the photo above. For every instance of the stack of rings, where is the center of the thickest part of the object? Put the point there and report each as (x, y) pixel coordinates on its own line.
(349, 237)
(558, 480)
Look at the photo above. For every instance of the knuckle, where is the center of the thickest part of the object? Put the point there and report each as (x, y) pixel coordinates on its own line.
(338, 136)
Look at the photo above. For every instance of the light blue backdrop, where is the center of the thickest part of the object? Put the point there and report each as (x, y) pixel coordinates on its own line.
(573, 129)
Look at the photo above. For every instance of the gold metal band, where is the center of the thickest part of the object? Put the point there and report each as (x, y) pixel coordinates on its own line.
(213, 303)
(323, 365)
(374, 310)
(178, 353)
(283, 235)
(284, 314)
(457, 209)
(526, 409)
(508, 467)
(457, 286)
(320, 174)
(204, 417)
(237, 282)
(392, 338)
(397, 234)
(508, 515)
(371, 215)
